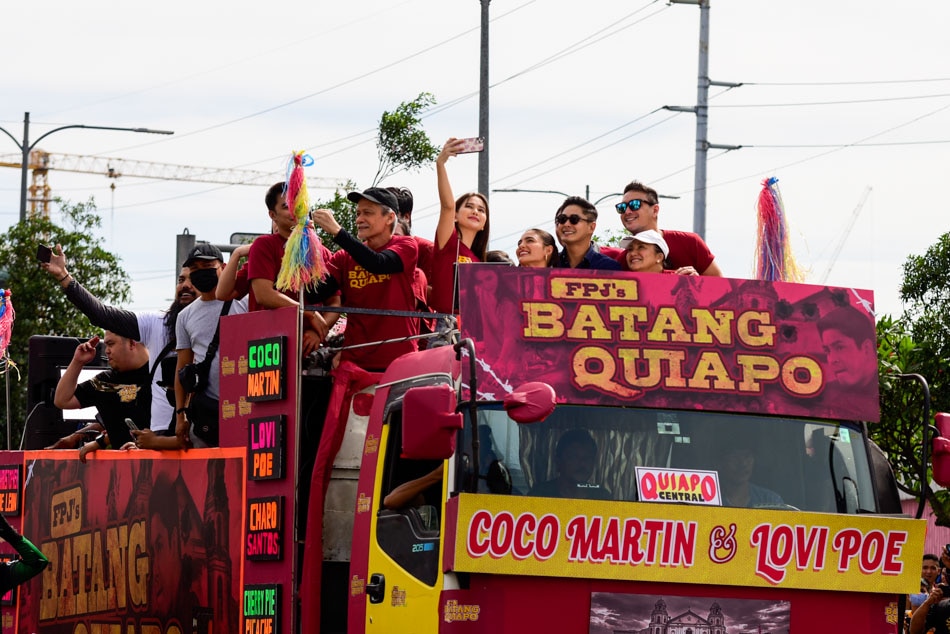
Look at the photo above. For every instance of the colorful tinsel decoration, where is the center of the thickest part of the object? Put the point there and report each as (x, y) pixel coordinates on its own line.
(302, 265)
(774, 259)
(7, 315)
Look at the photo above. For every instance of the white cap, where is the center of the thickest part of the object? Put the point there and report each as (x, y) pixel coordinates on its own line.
(648, 236)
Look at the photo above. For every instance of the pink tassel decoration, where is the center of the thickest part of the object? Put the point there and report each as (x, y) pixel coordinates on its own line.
(774, 260)
(302, 265)
(7, 315)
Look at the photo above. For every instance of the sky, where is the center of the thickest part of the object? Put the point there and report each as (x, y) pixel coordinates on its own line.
(837, 97)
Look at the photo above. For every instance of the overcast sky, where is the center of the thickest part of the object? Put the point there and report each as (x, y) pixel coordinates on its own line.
(838, 97)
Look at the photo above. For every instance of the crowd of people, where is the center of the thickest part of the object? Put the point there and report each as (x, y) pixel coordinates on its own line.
(930, 609)
(161, 389)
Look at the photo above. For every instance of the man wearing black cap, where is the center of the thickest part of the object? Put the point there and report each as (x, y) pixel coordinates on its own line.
(196, 328)
(373, 270)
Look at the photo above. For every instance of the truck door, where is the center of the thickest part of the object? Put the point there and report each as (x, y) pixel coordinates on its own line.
(404, 580)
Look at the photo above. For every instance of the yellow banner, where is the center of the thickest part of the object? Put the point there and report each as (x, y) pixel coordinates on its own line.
(544, 537)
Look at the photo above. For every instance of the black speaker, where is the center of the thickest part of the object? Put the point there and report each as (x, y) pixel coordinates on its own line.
(48, 357)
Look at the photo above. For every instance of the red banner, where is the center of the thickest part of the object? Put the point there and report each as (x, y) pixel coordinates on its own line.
(137, 541)
(669, 341)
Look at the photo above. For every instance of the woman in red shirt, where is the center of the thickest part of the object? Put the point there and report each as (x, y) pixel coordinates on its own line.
(460, 237)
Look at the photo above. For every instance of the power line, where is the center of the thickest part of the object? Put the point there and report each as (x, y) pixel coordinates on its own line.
(586, 41)
(290, 45)
(871, 82)
(859, 142)
(322, 91)
(843, 145)
(829, 103)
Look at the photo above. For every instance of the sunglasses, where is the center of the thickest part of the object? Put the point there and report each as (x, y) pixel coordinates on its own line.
(634, 205)
(573, 219)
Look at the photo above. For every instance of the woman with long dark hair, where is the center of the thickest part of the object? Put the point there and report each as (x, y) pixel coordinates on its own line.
(461, 235)
(536, 249)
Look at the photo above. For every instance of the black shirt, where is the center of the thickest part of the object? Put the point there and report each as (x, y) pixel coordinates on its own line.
(117, 396)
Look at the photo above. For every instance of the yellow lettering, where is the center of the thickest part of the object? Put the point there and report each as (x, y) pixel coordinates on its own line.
(713, 324)
(595, 367)
(50, 593)
(117, 545)
(138, 564)
(543, 320)
(801, 375)
(588, 324)
(710, 366)
(754, 329)
(674, 360)
(668, 326)
(628, 316)
(756, 368)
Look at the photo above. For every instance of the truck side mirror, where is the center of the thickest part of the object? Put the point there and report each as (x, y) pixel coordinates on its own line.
(531, 402)
(430, 423)
(941, 450)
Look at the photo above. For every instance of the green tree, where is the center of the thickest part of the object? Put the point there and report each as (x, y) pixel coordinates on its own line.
(401, 142)
(916, 343)
(40, 304)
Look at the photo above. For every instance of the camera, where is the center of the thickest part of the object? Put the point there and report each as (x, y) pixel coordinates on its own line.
(188, 377)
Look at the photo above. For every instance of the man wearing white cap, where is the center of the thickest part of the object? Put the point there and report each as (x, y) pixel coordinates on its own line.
(639, 210)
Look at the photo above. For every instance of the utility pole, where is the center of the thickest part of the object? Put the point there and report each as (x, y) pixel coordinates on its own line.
(701, 110)
(483, 103)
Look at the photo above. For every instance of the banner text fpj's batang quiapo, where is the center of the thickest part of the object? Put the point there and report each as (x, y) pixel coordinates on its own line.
(660, 341)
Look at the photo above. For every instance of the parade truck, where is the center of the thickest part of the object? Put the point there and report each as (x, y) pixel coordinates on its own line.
(589, 451)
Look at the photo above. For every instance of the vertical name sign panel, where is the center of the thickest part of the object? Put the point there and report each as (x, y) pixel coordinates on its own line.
(259, 366)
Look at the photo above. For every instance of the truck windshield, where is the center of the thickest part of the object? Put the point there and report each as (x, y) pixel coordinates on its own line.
(758, 462)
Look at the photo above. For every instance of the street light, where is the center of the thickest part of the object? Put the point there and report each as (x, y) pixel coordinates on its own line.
(26, 147)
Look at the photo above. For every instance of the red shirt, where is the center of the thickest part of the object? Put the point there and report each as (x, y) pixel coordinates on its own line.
(264, 260)
(443, 293)
(686, 249)
(394, 291)
(426, 251)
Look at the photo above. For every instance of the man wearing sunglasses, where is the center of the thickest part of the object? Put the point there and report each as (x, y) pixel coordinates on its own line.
(574, 224)
(639, 210)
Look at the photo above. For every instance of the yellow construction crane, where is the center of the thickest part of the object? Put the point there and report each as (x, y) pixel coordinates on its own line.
(42, 162)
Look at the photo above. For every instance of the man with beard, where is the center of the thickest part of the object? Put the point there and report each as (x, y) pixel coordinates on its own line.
(195, 332)
(156, 331)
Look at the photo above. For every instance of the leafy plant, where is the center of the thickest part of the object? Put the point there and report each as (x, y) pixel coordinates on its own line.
(401, 142)
(916, 343)
(40, 304)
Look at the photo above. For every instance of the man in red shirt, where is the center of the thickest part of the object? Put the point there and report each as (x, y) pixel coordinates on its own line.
(263, 265)
(638, 211)
(372, 270)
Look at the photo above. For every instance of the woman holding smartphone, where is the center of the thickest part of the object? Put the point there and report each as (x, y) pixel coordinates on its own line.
(461, 235)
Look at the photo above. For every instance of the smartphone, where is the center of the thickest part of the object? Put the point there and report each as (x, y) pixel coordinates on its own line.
(473, 144)
(131, 425)
(43, 253)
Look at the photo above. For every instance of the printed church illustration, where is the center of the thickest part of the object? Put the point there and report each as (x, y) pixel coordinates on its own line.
(686, 623)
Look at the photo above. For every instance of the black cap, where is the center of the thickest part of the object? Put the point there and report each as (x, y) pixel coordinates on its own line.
(203, 251)
(377, 195)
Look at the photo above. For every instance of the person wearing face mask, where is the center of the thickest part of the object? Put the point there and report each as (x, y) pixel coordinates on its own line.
(156, 331)
(195, 330)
